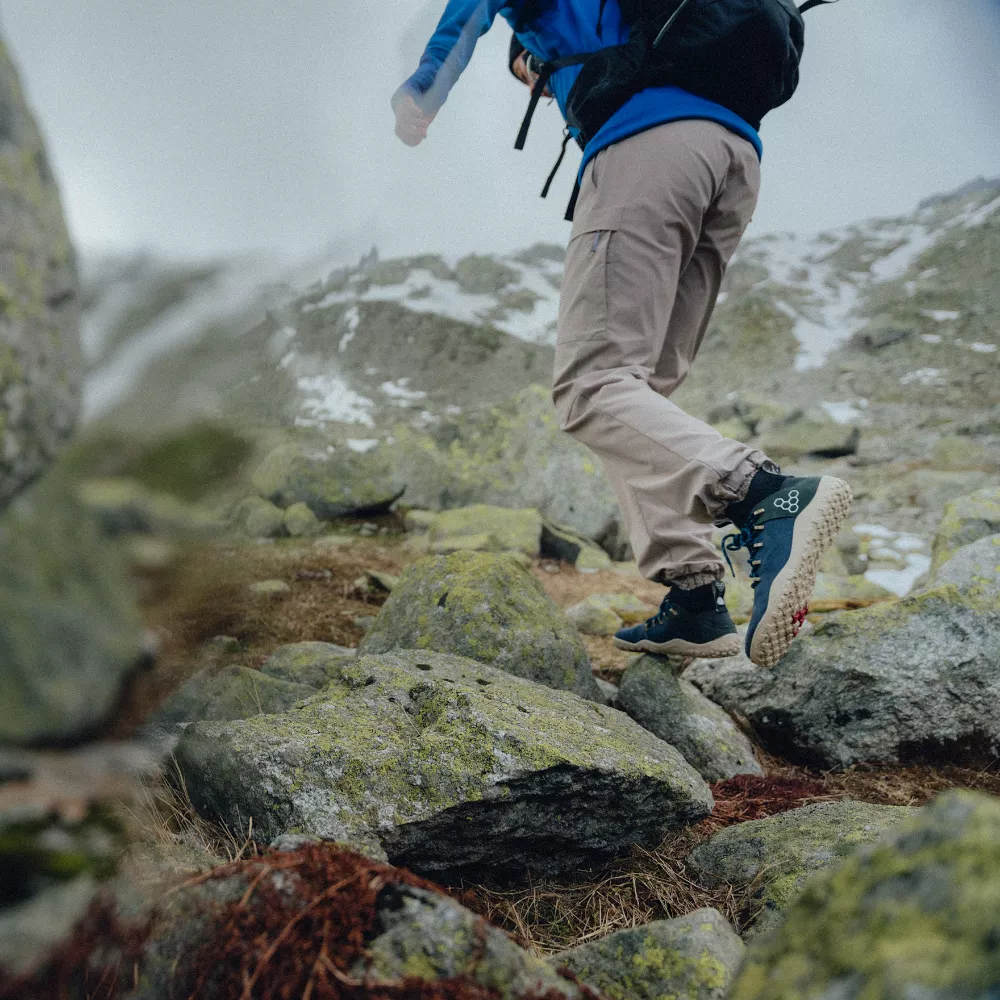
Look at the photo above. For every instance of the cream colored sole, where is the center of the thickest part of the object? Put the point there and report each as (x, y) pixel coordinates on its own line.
(727, 645)
(815, 529)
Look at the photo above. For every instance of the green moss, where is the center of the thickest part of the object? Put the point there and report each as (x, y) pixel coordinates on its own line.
(900, 918)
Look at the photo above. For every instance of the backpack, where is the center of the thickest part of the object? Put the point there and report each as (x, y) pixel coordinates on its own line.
(742, 54)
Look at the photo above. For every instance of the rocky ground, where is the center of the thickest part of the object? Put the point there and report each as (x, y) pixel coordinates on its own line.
(306, 677)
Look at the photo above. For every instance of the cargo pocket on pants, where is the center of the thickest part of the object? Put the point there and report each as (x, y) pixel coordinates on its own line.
(583, 307)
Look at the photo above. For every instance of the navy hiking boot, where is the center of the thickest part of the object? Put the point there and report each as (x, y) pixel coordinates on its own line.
(787, 532)
(680, 630)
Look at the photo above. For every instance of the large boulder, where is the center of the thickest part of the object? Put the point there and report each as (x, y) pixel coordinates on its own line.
(448, 767)
(913, 915)
(696, 956)
(677, 712)
(490, 609)
(311, 663)
(40, 367)
(974, 569)
(513, 455)
(332, 483)
(775, 856)
(910, 682)
(506, 530)
(966, 520)
(70, 634)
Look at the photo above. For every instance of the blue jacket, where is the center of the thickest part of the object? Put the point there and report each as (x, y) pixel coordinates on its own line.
(565, 27)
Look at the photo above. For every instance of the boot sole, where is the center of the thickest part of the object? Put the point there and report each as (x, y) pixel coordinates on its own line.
(727, 645)
(815, 529)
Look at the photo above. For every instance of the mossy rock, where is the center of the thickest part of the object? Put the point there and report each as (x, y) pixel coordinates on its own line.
(331, 485)
(126, 506)
(677, 712)
(429, 937)
(975, 570)
(592, 618)
(311, 663)
(966, 520)
(912, 915)
(447, 767)
(40, 364)
(510, 530)
(261, 518)
(231, 693)
(70, 633)
(564, 543)
(488, 608)
(479, 275)
(775, 856)
(848, 588)
(798, 438)
(695, 957)
(514, 455)
(301, 522)
(913, 681)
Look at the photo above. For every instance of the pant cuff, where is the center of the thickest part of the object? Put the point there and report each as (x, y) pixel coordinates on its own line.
(736, 485)
(689, 578)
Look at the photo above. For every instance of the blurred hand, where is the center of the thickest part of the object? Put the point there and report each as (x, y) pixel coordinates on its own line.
(525, 75)
(411, 122)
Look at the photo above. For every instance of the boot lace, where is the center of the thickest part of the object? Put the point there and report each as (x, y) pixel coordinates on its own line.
(748, 538)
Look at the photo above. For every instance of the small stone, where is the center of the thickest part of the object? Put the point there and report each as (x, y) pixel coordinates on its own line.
(301, 522)
(151, 555)
(291, 842)
(265, 520)
(591, 618)
(368, 530)
(364, 622)
(224, 644)
(695, 957)
(419, 521)
(310, 663)
(484, 542)
(270, 588)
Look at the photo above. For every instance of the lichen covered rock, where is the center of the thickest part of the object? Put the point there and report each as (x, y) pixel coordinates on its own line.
(490, 609)
(913, 681)
(776, 855)
(682, 716)
(966, 520)
(331, 485)
(40, 366)
(301, 522)
(70, 634)
(696, 957)
(507, 530)
(913, 915)
(447, 767)
(975, 570)
(311, 663)
(430, 937)
(592, 618)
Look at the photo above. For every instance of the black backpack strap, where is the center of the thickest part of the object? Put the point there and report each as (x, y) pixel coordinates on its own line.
(809, 4)
(571, 207)
(544, 75)
(555, 170)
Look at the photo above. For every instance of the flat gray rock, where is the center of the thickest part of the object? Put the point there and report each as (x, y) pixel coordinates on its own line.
(696, 957)
(446, 767)
(776, 855)
(677, 712)
(490, 609)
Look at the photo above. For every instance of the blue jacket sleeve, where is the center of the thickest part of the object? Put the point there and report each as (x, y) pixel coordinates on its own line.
(447, 54)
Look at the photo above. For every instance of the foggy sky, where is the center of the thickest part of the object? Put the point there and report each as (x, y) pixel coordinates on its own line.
(214, 126)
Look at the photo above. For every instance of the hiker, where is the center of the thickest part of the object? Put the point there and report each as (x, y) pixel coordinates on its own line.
(667, 186)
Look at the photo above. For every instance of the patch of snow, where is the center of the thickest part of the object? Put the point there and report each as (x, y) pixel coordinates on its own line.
(398, 391)
(362, 445)
(941, 315)
(931, 272)
(980, 216)
(843, 413)
(901, 581)
(288, 360)
(873, 531)
(917, 240)
(931, 338)
(925, 376)
(981, 348)
(353, 319)
(329, 399)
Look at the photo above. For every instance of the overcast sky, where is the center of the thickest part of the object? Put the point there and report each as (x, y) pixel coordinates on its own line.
(202, 127)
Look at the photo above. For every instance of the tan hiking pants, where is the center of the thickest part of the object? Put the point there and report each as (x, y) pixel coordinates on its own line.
(658, 218)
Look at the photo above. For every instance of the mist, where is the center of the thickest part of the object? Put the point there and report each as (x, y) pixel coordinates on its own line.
(204, 129)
